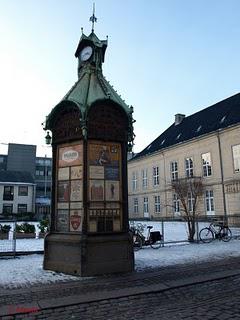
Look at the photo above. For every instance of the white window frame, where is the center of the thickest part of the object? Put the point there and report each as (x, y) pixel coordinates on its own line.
(145, 207)
(190, 200)
(176, 204)
(207, 164)
(135, 205)
(144, 178)
(157, 204)
(189, 167)
(209, 201)
(174, 170)
(236, 158)
(134, 181)
(155, 176)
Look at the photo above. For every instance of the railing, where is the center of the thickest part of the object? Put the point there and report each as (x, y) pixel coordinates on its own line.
(175, 230)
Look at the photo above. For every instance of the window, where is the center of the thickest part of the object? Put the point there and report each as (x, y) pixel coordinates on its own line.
(144, 178)
(145, 207)
(176, 204)
(207, 166)
(22, 208)
(174, 170)
(134, 181)
(189, 167)
(7, 208)
(23, 191)
(157, 204)
(1, 159)
(190, 201)
(8, 193)
(236, 157)
(135, 205)
(155, 176)
(209, 201)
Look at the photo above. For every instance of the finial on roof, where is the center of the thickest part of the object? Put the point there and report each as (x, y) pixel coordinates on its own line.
(93, 18)
(82, 30)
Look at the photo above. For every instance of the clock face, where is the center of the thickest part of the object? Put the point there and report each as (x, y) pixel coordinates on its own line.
(86, 53)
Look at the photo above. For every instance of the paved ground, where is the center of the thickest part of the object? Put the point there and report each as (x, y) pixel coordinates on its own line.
(209, 290)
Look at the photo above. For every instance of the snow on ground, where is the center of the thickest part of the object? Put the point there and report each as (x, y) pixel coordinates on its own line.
(26, 270)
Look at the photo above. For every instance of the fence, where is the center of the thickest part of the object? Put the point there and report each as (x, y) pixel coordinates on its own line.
(14, 241)
(175, 230)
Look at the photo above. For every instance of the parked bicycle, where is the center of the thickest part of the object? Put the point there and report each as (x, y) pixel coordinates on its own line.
(153, 238)
(215, 231)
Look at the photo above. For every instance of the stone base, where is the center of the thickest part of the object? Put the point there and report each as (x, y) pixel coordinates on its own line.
(83, 255)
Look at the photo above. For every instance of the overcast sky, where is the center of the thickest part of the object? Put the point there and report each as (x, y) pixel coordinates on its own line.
(164, 57)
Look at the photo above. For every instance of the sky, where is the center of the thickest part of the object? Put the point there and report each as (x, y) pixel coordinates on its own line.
(163, 57)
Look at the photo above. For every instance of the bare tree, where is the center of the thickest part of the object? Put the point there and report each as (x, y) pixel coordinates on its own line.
(189, 191)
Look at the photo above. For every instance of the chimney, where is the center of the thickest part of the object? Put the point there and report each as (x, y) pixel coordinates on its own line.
(179, 118)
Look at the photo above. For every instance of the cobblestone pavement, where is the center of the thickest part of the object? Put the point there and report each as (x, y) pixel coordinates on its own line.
(164, 293)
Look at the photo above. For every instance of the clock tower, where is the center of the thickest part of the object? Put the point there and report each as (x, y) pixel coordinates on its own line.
(92, 131)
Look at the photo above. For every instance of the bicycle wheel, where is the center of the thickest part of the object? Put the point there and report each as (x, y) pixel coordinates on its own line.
(225, 234)
(206, 235)
(156, 244)
(137, 242)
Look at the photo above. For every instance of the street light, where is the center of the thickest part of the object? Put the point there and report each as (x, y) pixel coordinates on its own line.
(48, 138)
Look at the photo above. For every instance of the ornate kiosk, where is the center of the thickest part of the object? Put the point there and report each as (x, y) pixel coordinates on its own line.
(92, 131)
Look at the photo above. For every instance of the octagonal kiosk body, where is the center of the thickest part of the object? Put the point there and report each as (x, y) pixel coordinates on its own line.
(92, 130)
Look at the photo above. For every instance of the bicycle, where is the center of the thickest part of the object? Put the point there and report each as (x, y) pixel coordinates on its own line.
(153, 239)
(209, 233)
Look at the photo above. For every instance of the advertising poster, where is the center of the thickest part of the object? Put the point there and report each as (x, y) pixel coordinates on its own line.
(76, 218)
(96, 172)
(63, 191)
(63, 205)
(63, 173)
(76, 205)
(70, 156)
(112, 173)
(104, 154)
(76, 190)
(112, 190)
(63, 220)
(96, 190)
(76, 172)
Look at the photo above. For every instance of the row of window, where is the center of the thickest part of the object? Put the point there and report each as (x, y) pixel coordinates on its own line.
(8, 193)
(209, 202)
(189, 169)
(207, 171)
(8, 208)
(43, 172)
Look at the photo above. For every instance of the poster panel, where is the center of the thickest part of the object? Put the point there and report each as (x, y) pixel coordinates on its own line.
(70, 155)
(63, 205)
(63, 220)
(96, 190)
(112, 173)
(76, 205)
(104, 154)
(112, 190)
(76, 190)
(63, 173)
(76, 219)
(76, 172)
(63, 191)
(96, 172)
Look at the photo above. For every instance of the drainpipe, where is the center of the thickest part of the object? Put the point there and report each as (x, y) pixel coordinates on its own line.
(222, 181)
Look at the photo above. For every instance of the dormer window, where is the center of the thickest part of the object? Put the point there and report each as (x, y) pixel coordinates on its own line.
(178, 136)
(223, 119)
(199, 128)
(163, 142)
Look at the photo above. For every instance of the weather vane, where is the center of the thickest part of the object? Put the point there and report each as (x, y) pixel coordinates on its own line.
(93, 18)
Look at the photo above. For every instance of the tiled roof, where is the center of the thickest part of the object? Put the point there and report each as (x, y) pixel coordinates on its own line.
(16, 176)
(218, 116)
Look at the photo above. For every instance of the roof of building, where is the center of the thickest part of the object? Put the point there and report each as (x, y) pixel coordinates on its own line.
(16, 176)
(218, 116)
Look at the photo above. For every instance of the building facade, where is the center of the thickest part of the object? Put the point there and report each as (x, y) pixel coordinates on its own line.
(205, 144)
(22, 158)
(17, 193)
